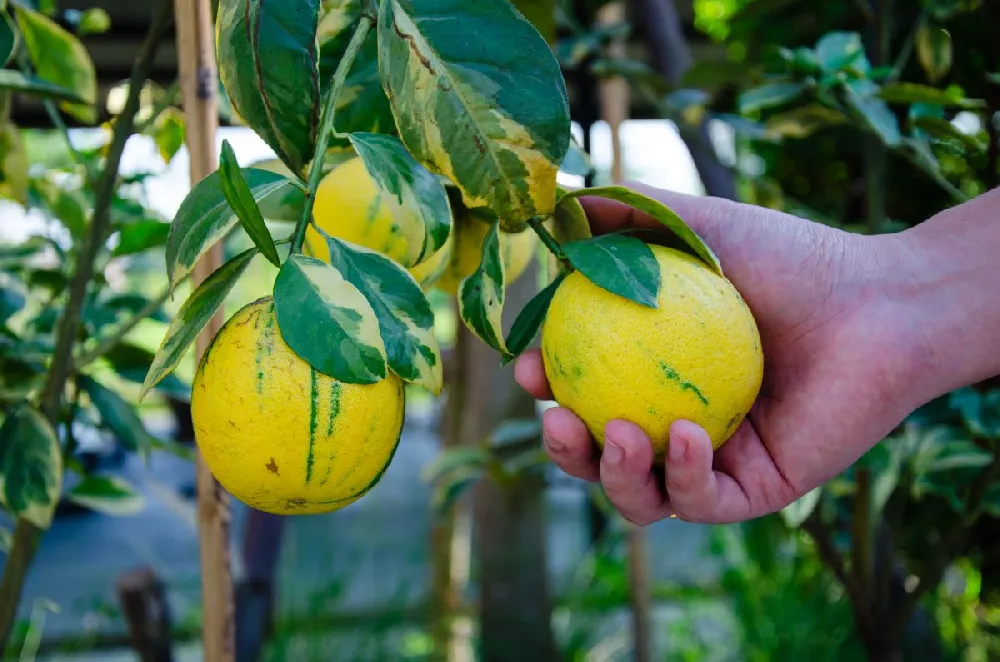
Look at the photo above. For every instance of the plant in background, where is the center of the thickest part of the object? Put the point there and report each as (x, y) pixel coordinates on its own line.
(67, 308)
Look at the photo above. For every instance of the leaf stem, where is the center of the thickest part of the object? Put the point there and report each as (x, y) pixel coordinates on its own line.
(537, 224)
(327, 127)
(26, 534)
(110, 341)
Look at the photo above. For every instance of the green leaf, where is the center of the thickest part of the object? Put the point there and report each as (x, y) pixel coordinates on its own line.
(68, 205)
(416, 197)
(980, 411)
(934, 51)
(658, 211)
(577, 161)
(205, 217)
(803, 121)
(268, 62)
(107, 494)
(117, 415)
(15, 81)
(132, 362)
(943, 130)
(141, 236)
(570, 223)
(799, 510)
(168, 133)
(193, 316)
(10, 38)
(362, 105)
(449, 490)
(861, 96)
(241, 200)
(13, 296)
(991, 500)
(619, 264)
(481, 295)
(30, 465)
(493, 118)
(94, 20)
(957, 454)
(837, 51)
(328, 322)
(405, 318)
(769, 95)
(454, 459)
(907, 93)
(60, 59)
(530, 319)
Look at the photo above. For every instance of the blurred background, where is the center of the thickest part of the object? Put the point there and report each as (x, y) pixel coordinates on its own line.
(869, 115)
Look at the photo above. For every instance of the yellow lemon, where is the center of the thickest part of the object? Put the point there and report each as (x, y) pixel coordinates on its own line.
(466, 252)
(350, 206)
(695, 357)
(281, 436)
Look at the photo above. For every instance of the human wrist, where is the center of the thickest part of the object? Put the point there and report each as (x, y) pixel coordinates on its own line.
(941, 279)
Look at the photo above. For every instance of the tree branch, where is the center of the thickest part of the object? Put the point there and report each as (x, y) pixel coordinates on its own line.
(27, 535)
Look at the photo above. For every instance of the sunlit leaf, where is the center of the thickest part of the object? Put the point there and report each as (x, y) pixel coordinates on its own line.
(405, 318)
(481, 295)
(328, 322)
(59, 58)
(193, 316)
(109, 495)
(268, 61)
(241, 201)
(30, 465)
(493, 118)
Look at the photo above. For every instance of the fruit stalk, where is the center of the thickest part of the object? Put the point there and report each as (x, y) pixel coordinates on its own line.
(550, 242)
(326, 127)
(27, 535)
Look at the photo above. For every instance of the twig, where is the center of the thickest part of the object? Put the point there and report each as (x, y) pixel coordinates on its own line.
(546, 238)
(327, 127)
(833, 560)
(111, 340)
(26, 534)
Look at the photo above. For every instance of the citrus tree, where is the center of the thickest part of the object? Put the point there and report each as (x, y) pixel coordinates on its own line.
(67, 364)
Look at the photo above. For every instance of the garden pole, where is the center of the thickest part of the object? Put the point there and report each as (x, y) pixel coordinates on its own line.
(614, 99)
(199, 90)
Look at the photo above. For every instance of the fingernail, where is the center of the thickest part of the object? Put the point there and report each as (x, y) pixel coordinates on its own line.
(613, 453)
(677, 447)
(553, 445)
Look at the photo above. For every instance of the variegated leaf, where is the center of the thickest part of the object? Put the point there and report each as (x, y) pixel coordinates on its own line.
(194, 314)
(404, 315)
(205, 216)
(656, 210)
(110, 495)
(479, 98)
(328, 322)
(416, 197)
(481, 295)
(241, 201)
(30, 465)
(620, 264)
(268, 61)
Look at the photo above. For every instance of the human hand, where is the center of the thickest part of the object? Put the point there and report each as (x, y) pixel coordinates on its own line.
(837, 354)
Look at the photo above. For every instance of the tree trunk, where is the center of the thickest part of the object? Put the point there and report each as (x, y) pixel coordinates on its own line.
(509, 528)
(661, 26)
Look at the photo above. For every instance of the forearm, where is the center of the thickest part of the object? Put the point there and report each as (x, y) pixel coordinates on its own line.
(948, 276)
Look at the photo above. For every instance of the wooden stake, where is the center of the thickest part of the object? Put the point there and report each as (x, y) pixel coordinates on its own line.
(198, 83)
(614, 97)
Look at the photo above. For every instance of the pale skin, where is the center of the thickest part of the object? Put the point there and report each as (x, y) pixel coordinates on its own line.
(857, 331)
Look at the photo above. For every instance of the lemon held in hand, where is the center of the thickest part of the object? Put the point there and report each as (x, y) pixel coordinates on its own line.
(281, 436)
(695, 357)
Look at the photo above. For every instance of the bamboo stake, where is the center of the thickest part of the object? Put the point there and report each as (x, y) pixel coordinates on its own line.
(198, 75)
(614, 100)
